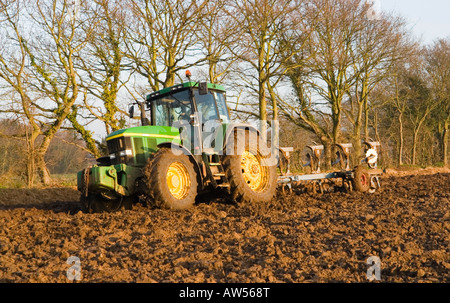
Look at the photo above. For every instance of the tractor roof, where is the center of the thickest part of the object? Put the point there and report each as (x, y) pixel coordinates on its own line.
(181, 87)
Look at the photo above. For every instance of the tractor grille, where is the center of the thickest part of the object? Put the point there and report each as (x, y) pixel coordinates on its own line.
(117, 149)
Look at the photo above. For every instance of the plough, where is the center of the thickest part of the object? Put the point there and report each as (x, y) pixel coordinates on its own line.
(363, 177)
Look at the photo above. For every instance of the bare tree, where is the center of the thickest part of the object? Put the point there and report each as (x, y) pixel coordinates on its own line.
(327, 74)
(263, 24)
(400, 104)
(438, 68)
(45, 63)
(104, 63)
(420, 107)
(17, 78)
(378, 45)
(52, 56)
(217, 34)
(162, 38)
(408, 105)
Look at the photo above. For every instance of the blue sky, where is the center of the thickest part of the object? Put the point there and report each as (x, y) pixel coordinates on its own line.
(429, 19)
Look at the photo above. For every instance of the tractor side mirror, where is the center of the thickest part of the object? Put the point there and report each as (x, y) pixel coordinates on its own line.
(203, 88)
(131, 111)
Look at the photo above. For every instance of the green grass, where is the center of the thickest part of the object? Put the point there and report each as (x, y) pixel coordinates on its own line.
(58, 180)
(65, 179)
(439, 164)
(407, 167)
(8, 181)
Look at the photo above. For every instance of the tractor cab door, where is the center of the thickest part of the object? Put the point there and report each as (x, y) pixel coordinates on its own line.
(206, 107)
(212, 112)
(175, 110)
(212, 106)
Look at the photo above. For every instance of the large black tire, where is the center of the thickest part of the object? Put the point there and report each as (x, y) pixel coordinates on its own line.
(361, 180)
(170, 180)
(250, 170)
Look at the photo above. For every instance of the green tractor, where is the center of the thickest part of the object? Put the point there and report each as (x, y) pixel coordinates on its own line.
(188, 146)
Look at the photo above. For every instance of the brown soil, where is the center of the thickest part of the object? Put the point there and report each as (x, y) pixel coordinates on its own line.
(296, 238)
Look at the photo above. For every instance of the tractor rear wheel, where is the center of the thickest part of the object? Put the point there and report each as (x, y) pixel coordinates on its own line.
(361, 180)
(252, 176)
(171, 180)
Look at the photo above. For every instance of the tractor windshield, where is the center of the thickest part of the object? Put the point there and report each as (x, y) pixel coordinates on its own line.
(171, 108)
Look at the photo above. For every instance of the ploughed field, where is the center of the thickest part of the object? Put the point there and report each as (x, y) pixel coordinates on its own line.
(295, 238)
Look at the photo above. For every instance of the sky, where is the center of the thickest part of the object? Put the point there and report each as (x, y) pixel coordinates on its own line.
(429, 19)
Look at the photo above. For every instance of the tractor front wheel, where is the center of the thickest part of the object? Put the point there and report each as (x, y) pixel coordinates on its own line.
(171, 180)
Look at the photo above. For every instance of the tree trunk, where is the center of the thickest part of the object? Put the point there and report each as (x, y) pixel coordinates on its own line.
(401, 143)
(262, 91)
(275, 123)
(263, 115)
(414, 147)
(445, 138)
(41, 166)
(30, 143)
(336, 128)
(170, 71)
(86, 134)
(31, 168)
(381, 158)
(170, 79)
(327, 153)
(31, 159)
(356, 136)
(356, 151)
(43, 172)
(416, 135)
(336, 110)
(366, 119)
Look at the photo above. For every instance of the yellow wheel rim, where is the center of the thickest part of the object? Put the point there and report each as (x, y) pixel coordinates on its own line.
(255, 174)
(178, 180)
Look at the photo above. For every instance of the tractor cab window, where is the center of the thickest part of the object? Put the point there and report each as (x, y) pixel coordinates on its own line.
(171, 108)
(206, 106)
(222, 106)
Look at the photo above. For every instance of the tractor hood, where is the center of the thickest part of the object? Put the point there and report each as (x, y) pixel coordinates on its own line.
(164, 132)
(132, 146)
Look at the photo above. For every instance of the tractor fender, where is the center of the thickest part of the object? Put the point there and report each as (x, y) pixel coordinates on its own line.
(179, 150)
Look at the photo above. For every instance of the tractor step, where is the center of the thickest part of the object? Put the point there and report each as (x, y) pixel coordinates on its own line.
(217, 178)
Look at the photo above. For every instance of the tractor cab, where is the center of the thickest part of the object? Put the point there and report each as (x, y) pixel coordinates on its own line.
(181, 102)
(198, 110)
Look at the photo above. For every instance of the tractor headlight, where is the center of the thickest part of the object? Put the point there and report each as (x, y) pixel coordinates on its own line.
(124, 153)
